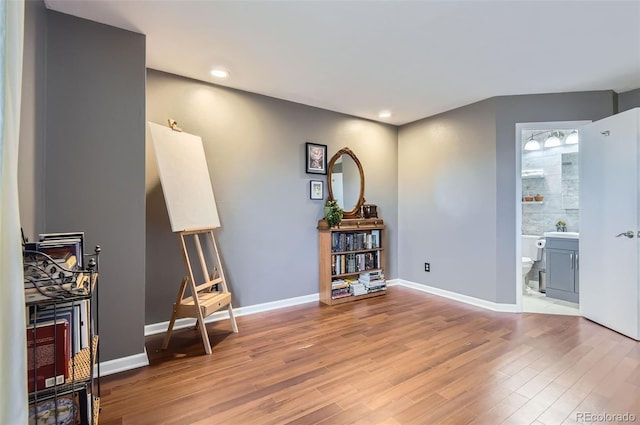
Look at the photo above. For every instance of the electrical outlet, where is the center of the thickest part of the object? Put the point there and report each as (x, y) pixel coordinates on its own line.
(427, 267)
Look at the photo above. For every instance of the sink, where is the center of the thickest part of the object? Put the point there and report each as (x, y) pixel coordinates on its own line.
(566, 235)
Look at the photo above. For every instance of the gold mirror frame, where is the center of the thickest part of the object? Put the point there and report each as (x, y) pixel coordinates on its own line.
(355, 212)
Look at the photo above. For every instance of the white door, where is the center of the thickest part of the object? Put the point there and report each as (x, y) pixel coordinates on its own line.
(608, 256)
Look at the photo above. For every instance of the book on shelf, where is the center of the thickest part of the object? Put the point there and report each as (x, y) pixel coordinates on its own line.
(85, 323)
(340, 293)
(375, 238)
(47, 354)
(375, 285)
(372, 275)
(75, 313)
(351, 263)
(380, 289)
(372, 281)
(50, 316)
(339, 284)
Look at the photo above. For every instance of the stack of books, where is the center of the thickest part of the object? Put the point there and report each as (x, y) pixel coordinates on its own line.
(373, 281)
(339, 289)
(357, 288)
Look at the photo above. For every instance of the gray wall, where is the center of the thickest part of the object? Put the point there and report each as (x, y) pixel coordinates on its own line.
(628, 100)
(32, 115)
(447, 200)
(457, 190)
(94, 160)
(255, 148)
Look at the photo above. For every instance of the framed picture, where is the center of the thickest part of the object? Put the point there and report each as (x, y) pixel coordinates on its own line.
(316, 189)
(316, 158)
(74, 241)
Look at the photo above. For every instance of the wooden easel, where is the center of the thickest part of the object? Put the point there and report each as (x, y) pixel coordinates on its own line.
(204, 299)
(191, 205)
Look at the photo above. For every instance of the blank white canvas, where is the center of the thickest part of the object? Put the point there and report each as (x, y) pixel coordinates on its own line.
(185, 180)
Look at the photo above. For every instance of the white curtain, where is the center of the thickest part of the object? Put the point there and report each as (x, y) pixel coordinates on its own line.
(13, 355)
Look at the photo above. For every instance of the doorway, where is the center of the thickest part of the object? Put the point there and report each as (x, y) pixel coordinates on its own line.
(546, 196)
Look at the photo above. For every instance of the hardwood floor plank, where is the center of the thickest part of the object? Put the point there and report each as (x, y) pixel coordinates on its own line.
(502, 411)
(415, 412)
(405, 358)
(317, 415)
(526, 414)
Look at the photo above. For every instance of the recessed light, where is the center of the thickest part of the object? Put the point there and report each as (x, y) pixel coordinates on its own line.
(384, 114)
(220, 73)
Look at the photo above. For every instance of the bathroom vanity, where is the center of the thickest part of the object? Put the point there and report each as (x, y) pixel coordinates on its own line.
(563, 264)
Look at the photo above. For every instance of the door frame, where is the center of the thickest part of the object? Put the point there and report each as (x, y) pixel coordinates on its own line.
(549, 125)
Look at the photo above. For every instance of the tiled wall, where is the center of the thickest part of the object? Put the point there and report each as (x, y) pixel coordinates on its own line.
(559, 185)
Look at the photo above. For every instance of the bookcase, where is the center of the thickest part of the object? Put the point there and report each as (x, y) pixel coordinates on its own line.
(61, 295)
(352, 260)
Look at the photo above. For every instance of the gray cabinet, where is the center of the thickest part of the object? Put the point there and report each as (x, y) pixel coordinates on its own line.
(563, 277)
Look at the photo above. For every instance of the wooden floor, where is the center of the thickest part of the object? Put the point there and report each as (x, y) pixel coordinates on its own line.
(406, 358)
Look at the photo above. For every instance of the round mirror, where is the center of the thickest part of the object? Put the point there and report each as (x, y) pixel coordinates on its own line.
(346, 182)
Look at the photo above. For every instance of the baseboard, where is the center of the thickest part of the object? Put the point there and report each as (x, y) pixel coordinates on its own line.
(393, 282)
(121, 364)
(489, 305)
(157, 328)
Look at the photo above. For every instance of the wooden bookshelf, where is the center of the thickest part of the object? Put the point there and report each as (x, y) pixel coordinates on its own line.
(332, 244)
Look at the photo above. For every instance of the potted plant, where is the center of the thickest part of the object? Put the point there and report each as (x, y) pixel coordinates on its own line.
(528, 198)
(561, 226)
(332, 212)
(538, 197)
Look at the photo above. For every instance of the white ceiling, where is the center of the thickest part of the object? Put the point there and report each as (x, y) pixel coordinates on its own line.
(358, 57)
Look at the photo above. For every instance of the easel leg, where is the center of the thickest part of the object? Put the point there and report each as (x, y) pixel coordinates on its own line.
(204, 334)
(234, 326)
(172, 322)
(232, 317)
(167, 336)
